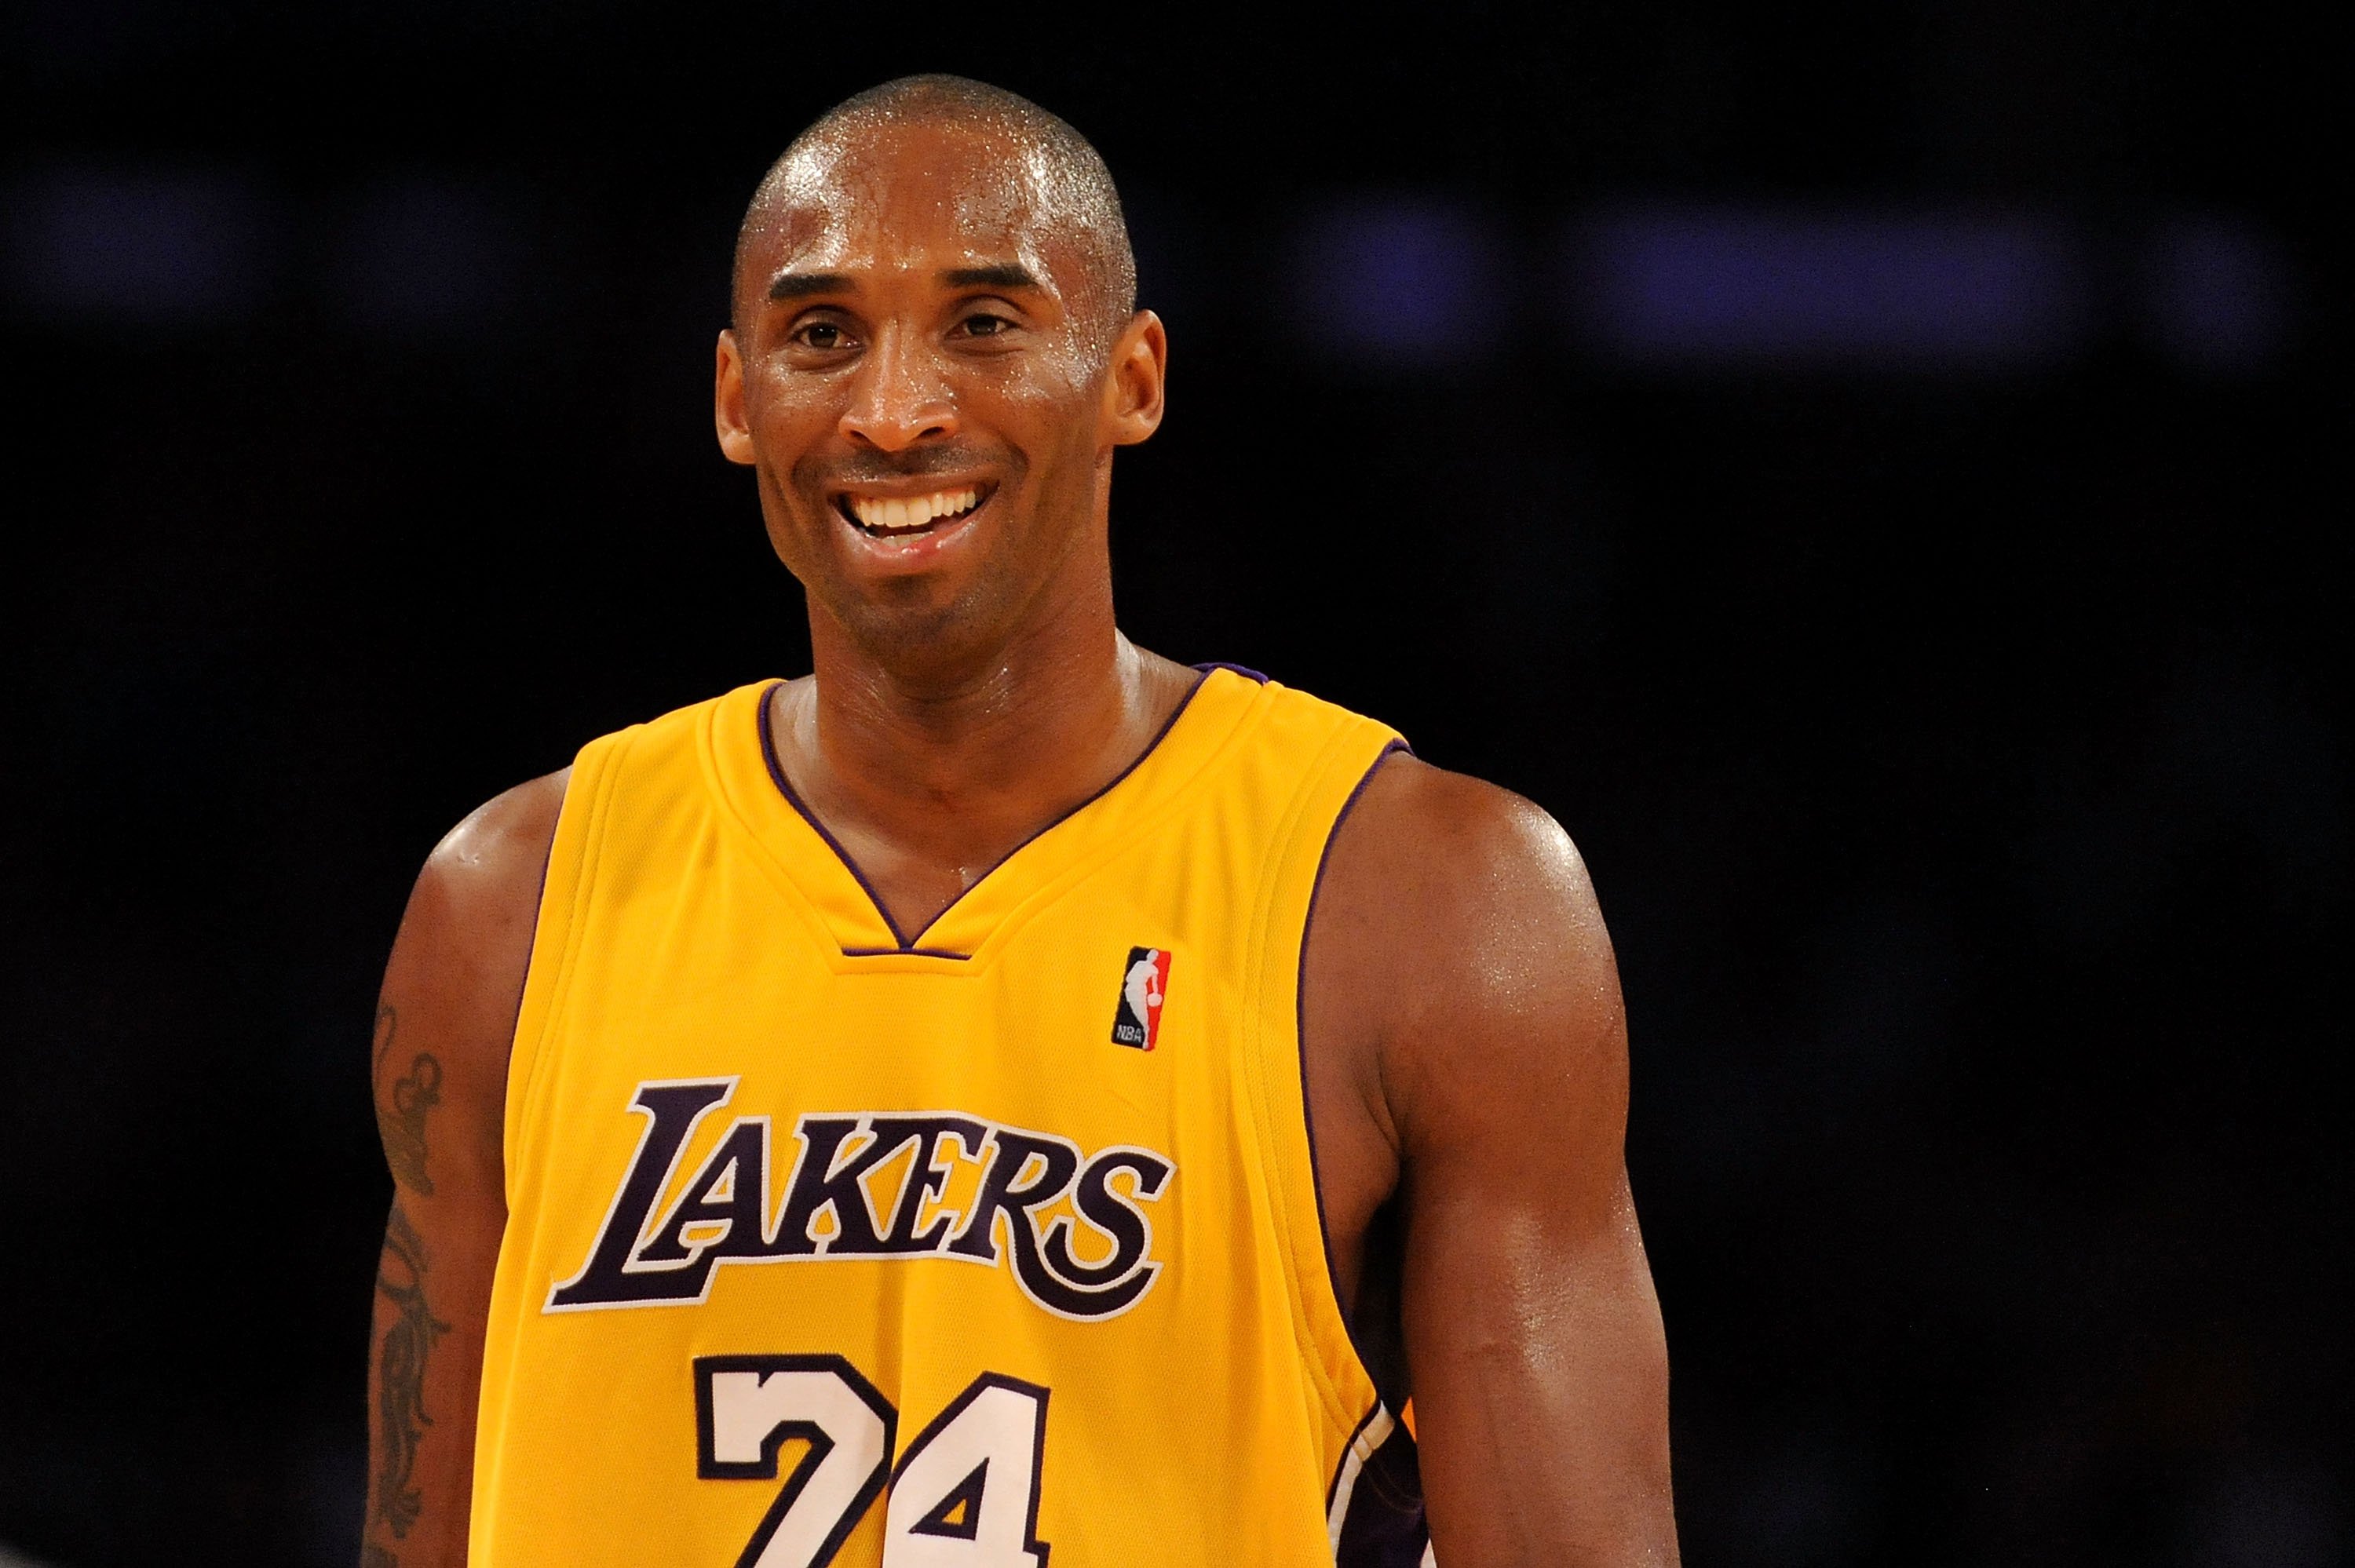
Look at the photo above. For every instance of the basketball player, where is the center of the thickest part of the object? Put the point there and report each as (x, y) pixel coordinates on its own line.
(1004, 1093)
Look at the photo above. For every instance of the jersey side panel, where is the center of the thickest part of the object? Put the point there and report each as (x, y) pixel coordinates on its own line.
(1346, 1389)
(564, 892)
(648, 816)
(1372, 1484)
(556, 933)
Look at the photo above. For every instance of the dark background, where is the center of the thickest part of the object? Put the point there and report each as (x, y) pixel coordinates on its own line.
(1940, 697)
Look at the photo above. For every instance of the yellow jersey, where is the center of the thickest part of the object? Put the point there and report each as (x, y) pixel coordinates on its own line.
(833, 1243)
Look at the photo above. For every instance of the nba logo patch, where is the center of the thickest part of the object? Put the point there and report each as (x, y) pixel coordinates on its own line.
(1138, 1022)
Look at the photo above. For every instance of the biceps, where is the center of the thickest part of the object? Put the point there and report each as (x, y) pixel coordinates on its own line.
(1544, 1312)
(1540, 1377)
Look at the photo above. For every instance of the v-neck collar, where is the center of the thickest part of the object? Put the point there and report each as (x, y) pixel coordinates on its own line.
(846, 902)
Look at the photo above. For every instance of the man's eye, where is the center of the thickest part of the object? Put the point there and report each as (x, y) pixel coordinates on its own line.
(985, 326)
(820, 334)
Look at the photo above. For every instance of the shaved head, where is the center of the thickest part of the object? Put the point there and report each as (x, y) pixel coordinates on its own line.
(1036, 158)
(935, 313)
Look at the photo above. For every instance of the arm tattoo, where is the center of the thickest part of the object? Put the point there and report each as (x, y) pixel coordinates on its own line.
(401, 1417)
(400, 1112)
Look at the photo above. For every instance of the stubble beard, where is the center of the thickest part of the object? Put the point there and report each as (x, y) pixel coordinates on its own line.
(924, 640)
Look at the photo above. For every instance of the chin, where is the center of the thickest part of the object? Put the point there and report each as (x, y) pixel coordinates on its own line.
(920, 629)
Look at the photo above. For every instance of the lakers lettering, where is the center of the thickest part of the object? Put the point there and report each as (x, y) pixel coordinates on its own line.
(1071, 1228)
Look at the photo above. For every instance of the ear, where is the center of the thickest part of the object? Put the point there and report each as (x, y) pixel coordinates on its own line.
(728, 402)
(1132, 387)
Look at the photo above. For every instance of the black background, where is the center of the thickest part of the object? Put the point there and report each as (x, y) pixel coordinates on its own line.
(1954, 752)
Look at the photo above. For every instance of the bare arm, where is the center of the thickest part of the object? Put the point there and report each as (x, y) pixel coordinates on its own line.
(1474, 1063)
(445, 1024)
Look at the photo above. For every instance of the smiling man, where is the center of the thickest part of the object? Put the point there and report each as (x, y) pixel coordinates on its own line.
(1005, 1093)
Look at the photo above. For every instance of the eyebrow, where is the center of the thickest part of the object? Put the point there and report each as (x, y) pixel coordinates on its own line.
(1006, 275)
(1003, 275)
(801, 285)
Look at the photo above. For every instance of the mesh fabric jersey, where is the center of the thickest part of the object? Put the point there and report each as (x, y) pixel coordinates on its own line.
(829, 1243)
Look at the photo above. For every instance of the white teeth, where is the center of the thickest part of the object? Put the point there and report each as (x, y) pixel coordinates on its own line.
(892, 513)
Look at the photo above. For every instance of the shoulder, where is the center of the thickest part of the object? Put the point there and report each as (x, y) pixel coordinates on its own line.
(1462, 923)
(1470, 871)
(455, 976)
(1453, 828)
(467, 932)
(497, 852)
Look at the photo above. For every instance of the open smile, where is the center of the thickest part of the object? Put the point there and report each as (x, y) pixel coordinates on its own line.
(911, 516)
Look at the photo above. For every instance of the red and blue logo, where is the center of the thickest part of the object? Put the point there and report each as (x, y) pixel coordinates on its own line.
(1142, 987)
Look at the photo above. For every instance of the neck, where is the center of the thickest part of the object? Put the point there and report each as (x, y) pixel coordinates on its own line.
(931, 774)
(1006, 720)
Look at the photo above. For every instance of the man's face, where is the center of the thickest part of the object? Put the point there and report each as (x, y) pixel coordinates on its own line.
(920, 376)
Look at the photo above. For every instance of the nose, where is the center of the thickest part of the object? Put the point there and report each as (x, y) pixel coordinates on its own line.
(897, 396)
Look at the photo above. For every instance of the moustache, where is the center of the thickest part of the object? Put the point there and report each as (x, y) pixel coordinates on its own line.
(872, 467)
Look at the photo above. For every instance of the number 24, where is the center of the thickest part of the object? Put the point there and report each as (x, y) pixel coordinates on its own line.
(965, 1494)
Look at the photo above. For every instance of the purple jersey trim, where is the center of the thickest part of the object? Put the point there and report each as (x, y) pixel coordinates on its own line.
(1247, 673)
(909, 945)
(903, 953)
(1383, 1526)
(539, 902)
(786, 788)
(1333, 1487)
(1307, 1116)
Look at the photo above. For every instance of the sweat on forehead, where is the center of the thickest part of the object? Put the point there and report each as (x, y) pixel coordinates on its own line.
(1023, 157)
